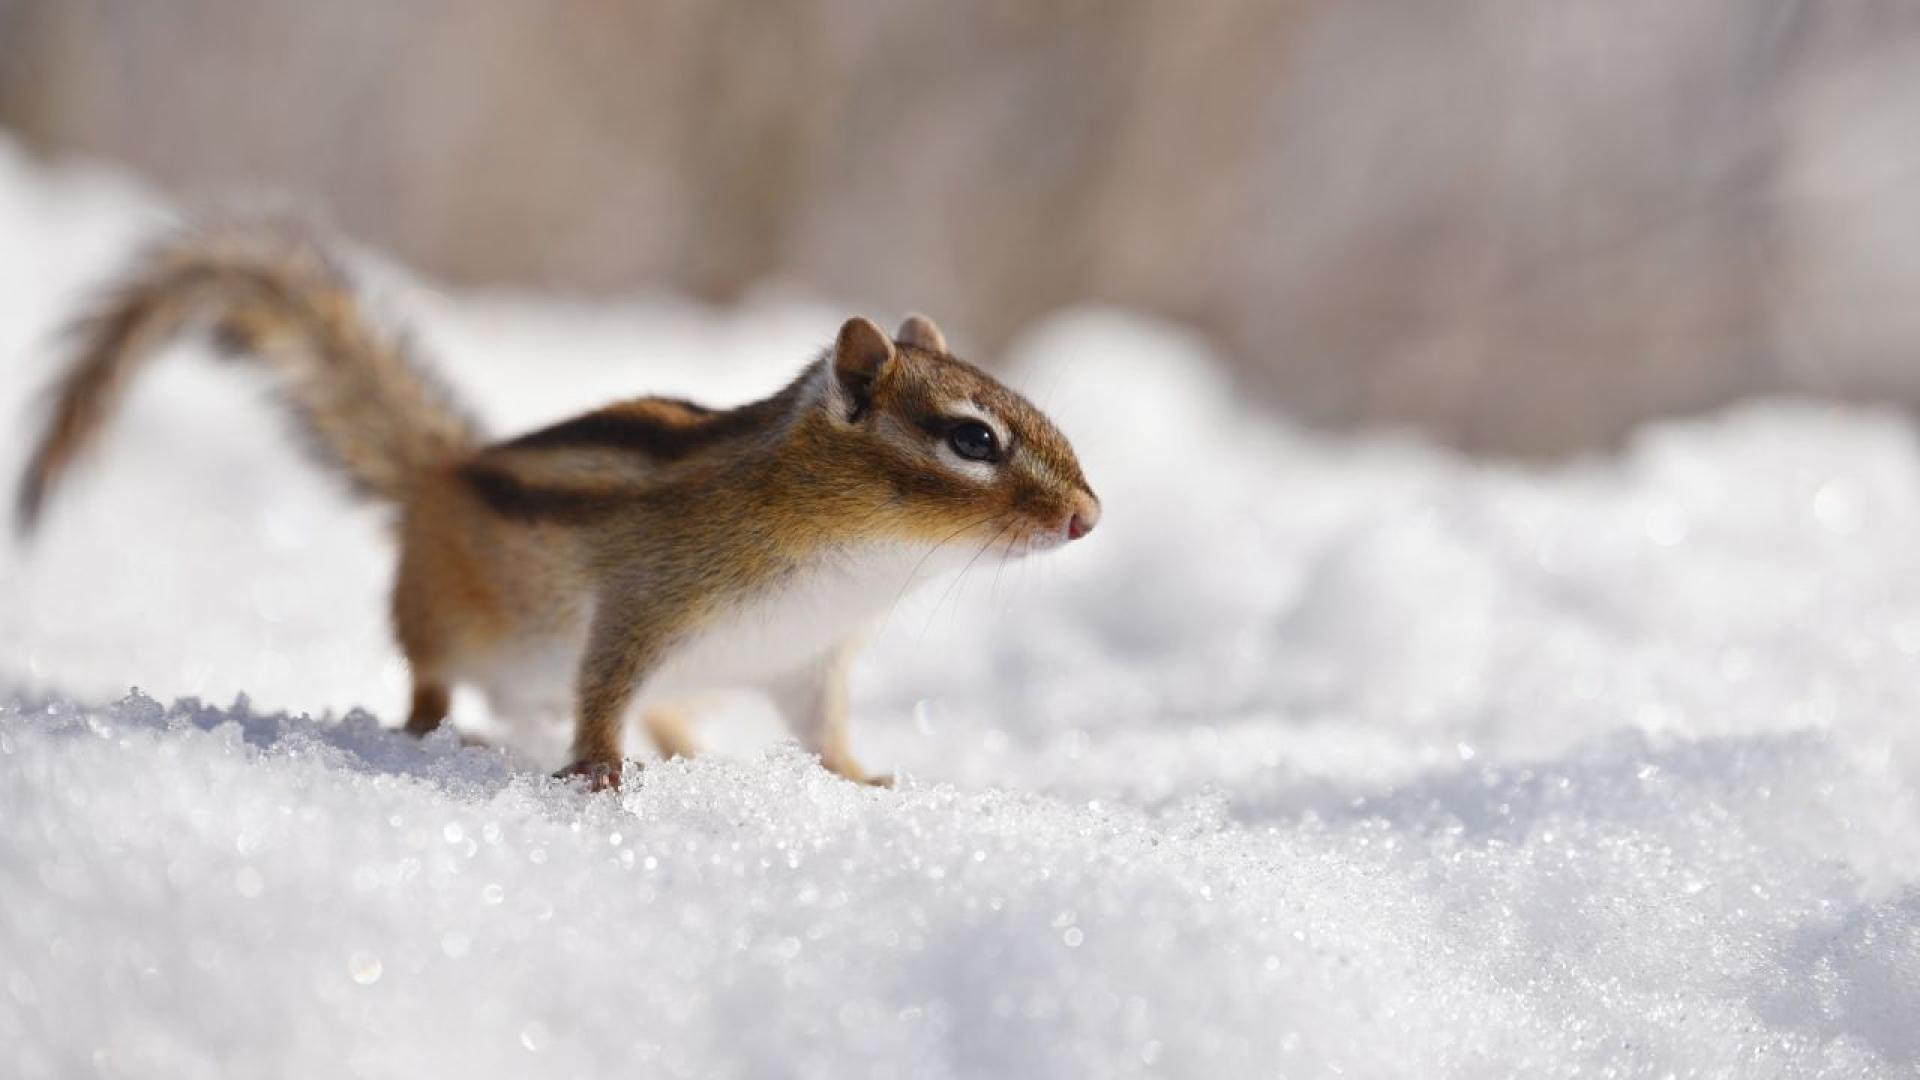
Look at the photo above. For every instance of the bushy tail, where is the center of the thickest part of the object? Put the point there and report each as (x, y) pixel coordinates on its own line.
(279, 300)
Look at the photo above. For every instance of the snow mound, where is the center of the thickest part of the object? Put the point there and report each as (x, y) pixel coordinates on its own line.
(1322, 757)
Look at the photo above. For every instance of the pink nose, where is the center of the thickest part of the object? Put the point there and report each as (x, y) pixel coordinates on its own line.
(1083, 521)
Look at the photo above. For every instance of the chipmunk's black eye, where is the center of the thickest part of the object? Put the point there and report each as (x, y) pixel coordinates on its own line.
(974, 441)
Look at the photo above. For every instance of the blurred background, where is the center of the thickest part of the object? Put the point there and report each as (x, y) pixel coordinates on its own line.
(1519, 227)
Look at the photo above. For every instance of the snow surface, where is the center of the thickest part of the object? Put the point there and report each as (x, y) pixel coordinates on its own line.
(1322, 757)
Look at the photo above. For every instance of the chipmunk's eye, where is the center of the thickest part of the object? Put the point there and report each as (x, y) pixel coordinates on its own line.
(974, 441)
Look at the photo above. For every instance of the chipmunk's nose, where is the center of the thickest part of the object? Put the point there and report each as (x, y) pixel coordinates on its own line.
(1084, 518)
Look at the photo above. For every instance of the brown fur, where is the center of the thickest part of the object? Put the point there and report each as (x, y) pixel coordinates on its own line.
(368, 413)
(648, 522)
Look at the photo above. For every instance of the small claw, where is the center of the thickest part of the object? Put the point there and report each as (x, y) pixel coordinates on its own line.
(601, 775)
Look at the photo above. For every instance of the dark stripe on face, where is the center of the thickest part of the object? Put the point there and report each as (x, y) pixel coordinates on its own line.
(934, 424)
(510, 497)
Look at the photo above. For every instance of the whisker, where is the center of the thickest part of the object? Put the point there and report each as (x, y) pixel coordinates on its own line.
(993, 593)
(917, 567)
(994, 539)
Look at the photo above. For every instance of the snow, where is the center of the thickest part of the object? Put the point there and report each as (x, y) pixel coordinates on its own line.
(1322, 756)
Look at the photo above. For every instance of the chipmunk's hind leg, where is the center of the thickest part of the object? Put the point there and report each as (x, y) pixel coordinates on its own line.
(423, 643)
(438, 603)
(667, 727)
(431, 700)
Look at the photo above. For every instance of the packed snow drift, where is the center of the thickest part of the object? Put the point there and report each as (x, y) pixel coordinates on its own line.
(1325, 756)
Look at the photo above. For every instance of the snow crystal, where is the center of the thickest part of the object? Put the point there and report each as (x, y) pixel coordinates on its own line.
(1322, 756)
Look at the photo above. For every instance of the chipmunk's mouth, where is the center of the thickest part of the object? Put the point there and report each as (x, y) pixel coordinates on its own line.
(1018, 537)
(1037, 536)
(1032, 541)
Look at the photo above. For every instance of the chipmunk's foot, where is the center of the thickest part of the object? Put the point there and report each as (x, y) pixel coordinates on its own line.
(600, 775)
(850, 771)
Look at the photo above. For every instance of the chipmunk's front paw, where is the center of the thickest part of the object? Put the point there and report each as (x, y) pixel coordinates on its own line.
(601, 775)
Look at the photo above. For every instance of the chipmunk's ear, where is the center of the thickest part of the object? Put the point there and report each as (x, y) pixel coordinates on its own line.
(860, 353)
(919, 332)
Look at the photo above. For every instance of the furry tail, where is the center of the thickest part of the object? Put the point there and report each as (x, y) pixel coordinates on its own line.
(369, 413)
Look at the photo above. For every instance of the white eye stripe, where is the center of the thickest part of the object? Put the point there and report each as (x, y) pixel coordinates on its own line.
(980, 472)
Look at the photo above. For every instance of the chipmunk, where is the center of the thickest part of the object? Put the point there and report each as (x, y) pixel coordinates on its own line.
(638, 552)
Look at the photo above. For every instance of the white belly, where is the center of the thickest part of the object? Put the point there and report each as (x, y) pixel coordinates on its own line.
(786, 629)
(794, 625)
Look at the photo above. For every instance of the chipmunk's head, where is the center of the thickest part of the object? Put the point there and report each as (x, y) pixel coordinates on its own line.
(959, 455)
